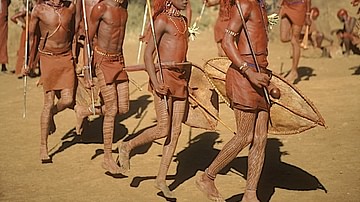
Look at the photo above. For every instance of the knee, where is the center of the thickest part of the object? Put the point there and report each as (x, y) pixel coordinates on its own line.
(67, 101)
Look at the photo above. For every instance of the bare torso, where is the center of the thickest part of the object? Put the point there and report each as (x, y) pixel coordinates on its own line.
(56, 25)
(110, 22)
(174, 42)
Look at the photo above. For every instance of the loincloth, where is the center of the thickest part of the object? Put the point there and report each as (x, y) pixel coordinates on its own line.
(219, 29)
(241, 93)
(111, 65)
(295, 11)
(57, 70)
(176, 79)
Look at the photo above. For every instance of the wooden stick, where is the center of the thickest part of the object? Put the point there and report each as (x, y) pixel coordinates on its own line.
(156, 49)
(142, 33)
(304, 42)
(211, 113)
(26, 62)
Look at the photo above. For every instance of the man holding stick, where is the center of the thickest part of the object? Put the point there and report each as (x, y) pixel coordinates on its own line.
(168, 85)
(246, 89)
(108, 21)
(55, 19)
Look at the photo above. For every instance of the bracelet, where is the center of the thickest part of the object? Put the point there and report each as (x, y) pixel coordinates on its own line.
(243, 67)
(86, 67)
(231, 32)
(308, 13)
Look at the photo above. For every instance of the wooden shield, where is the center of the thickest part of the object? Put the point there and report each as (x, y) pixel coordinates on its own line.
(203, 107)
(83, 95)
(292, 113)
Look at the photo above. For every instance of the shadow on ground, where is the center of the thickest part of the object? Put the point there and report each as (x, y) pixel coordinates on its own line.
(92, 130)
(198, 155)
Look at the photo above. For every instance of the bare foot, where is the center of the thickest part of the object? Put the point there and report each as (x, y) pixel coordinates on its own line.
(111, 166)
(207, 186)
(161, 185)
(124, 156)
(292, 76)
(44, 156)
(80, 115)
(250, 196)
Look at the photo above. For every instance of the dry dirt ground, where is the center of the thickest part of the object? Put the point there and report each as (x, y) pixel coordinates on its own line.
(316, 165)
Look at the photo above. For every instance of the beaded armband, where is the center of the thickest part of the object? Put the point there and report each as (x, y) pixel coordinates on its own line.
(231, 32)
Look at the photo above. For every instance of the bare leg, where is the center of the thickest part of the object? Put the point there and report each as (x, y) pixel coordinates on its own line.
(245, 129)
(160, 131)
(295, 43)
(256, 157)
(123, 97)
(81, 113)
(66, 100)
(108, 93)
(170, 146)
(285, 30)
(44, 124)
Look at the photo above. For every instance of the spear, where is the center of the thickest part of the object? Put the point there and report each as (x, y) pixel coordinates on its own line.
(142, 33)
(156, 49)
(26, 59)
(251, 48)
(87, 41)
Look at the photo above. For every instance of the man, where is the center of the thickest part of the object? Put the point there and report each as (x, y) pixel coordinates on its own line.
(55, 19)
(294, 14)
(108, 21)
(349, 35)
(221, 23)
(171, 31)
(4, 4)
(244, 88)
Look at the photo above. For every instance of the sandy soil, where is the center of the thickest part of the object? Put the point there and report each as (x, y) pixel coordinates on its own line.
(317, 165)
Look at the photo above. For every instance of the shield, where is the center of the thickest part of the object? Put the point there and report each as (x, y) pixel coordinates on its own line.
(292, 113)
(83, 94)
(203, 108)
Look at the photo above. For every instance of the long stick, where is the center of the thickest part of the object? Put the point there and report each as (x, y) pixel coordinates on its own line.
(142, 33)
(212, 114)
(26, 59)
(251, 48)
(87, 41)
(156, 49)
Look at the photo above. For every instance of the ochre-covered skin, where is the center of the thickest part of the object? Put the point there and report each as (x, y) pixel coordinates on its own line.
(108, 22)
(172, 39)
(54, 20)
(294, 14)
(245, 90)
(4, 32)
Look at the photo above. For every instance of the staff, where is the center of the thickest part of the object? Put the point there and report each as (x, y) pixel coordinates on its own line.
(142, 33)
(88, 50)
(26, 62)
(156, 49)
(251, 48)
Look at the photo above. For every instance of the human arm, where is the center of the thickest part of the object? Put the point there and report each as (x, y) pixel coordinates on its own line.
(18, 18)
(157, 84)
(188, 12)
(33, 25)
(235, 26)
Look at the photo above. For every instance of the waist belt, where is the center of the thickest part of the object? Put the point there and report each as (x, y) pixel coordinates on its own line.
(107, 54)
(52, 53)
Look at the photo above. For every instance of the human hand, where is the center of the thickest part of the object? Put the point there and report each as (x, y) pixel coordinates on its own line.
(355, 2)
(161, 89)
(258, 79)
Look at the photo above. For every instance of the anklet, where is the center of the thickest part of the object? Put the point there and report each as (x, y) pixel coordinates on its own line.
(208, 175)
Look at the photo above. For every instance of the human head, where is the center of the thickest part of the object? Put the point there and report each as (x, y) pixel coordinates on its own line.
(315, 13)
(342, 14)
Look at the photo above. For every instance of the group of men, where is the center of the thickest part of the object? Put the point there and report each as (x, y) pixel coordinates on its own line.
(244, 40)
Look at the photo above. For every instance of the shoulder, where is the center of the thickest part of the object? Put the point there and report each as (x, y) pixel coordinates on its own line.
(100, 7)
(38, 8)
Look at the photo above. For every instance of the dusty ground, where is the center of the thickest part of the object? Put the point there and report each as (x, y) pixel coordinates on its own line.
(297, 168)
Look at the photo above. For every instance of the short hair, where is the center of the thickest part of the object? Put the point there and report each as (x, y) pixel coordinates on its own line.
(341, 13)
